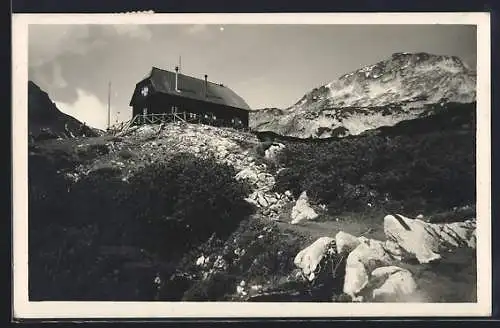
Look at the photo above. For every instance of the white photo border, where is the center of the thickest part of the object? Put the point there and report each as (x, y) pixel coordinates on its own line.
(24, 309)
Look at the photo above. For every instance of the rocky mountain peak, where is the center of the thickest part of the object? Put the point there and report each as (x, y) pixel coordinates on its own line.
(382, 94)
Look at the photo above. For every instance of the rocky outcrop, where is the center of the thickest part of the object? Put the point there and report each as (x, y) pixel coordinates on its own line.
(426, 241)
(46, 121)
(152, 143)
(302, 210)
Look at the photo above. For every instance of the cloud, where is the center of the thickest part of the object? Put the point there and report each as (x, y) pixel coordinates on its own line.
(133, 31)
(89, 109)
(47, 42)
(196, 29)
(57, 78)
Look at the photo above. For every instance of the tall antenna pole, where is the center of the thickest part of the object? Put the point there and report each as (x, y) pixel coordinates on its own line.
(109, 103)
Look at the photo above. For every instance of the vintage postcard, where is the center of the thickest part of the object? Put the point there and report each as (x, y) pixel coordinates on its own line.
(251, 165)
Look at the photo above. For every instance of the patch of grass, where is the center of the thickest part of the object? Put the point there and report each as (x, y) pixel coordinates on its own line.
(258, 252)
(411, 174)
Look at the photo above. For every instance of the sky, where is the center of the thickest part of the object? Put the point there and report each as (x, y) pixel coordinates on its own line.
(267, 65)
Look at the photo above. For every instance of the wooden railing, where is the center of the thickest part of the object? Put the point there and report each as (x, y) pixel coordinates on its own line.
(160, 118)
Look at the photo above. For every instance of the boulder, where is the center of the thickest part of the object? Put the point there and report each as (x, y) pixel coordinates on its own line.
(397, 284)
(426, 241)
(272, 152)
(345, 242)
(394, 250)
(414, 236)
(458, 234)
(367, 256)
(247, 174)
(310, 257)
(302, 210)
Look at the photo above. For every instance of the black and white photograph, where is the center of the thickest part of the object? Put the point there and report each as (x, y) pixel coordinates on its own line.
(329, 164)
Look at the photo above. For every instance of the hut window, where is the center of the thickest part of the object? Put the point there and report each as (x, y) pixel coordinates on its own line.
(210, 116)
(236, 121)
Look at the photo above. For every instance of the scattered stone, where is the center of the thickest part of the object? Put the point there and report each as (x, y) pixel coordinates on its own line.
(200, 261)
(272, 152)
(345, 242)
(367, 256)
(310, 257)
(302, 210)
(247, 174)
(398, 284)
(256, 287)
(240, 291)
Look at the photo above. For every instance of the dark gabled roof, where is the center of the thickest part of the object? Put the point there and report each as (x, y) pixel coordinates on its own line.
(163, 81)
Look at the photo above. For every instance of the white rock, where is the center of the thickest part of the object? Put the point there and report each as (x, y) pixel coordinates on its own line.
(200, 261)
(270, 181)
(251, 201)
(273, 151)
(247, 174)
(271, 200)
(262, 200)
(262, 176)
(413, 237)
(302, 210)
(346, 243)
(394, 250)
(458, 234)
(309, 258)
(426, 240)
(240, 290)
(275, 207)
(366, 257)
(398, 284)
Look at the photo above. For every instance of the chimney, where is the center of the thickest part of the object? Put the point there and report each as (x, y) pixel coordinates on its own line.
(206, 85)
(177, 78)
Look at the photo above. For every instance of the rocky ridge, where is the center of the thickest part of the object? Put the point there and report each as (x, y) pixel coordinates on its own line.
(46, 121)
(403, 87)
(147, 144)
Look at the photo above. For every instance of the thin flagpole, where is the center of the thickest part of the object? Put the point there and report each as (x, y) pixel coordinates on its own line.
(109, 104)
